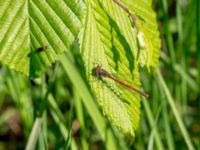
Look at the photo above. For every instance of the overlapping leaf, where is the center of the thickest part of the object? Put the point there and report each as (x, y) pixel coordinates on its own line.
(148, 28)
(25, 26)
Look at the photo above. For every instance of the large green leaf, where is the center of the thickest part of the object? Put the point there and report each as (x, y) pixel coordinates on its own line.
(102, 42)
(27, 25)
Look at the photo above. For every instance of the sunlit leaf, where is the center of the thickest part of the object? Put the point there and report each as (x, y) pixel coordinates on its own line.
(103, 43)
(26, 26)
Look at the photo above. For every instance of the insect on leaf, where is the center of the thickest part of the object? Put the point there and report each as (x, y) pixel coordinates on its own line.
(104, 42)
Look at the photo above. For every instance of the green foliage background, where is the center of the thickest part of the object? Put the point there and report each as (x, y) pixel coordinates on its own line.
(57, 110)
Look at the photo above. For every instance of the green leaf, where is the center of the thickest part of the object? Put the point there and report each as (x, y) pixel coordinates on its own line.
(26, 26)
(104, 41)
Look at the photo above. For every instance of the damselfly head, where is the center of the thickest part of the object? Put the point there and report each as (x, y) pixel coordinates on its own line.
(98, 72)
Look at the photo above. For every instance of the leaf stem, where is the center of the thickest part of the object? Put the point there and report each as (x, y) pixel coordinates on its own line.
(133, 18)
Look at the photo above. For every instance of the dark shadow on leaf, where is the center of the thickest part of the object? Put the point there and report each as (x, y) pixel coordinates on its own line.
(122, 40)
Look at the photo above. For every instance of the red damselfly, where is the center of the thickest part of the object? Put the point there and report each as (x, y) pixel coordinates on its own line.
(100, 72)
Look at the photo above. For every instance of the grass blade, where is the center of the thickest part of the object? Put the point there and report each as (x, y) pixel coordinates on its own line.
(80, 116)
(151, 121)
(31, 144)
(175, 112)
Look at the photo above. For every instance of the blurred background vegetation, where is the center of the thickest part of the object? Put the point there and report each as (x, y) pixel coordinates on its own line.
(48, 112)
